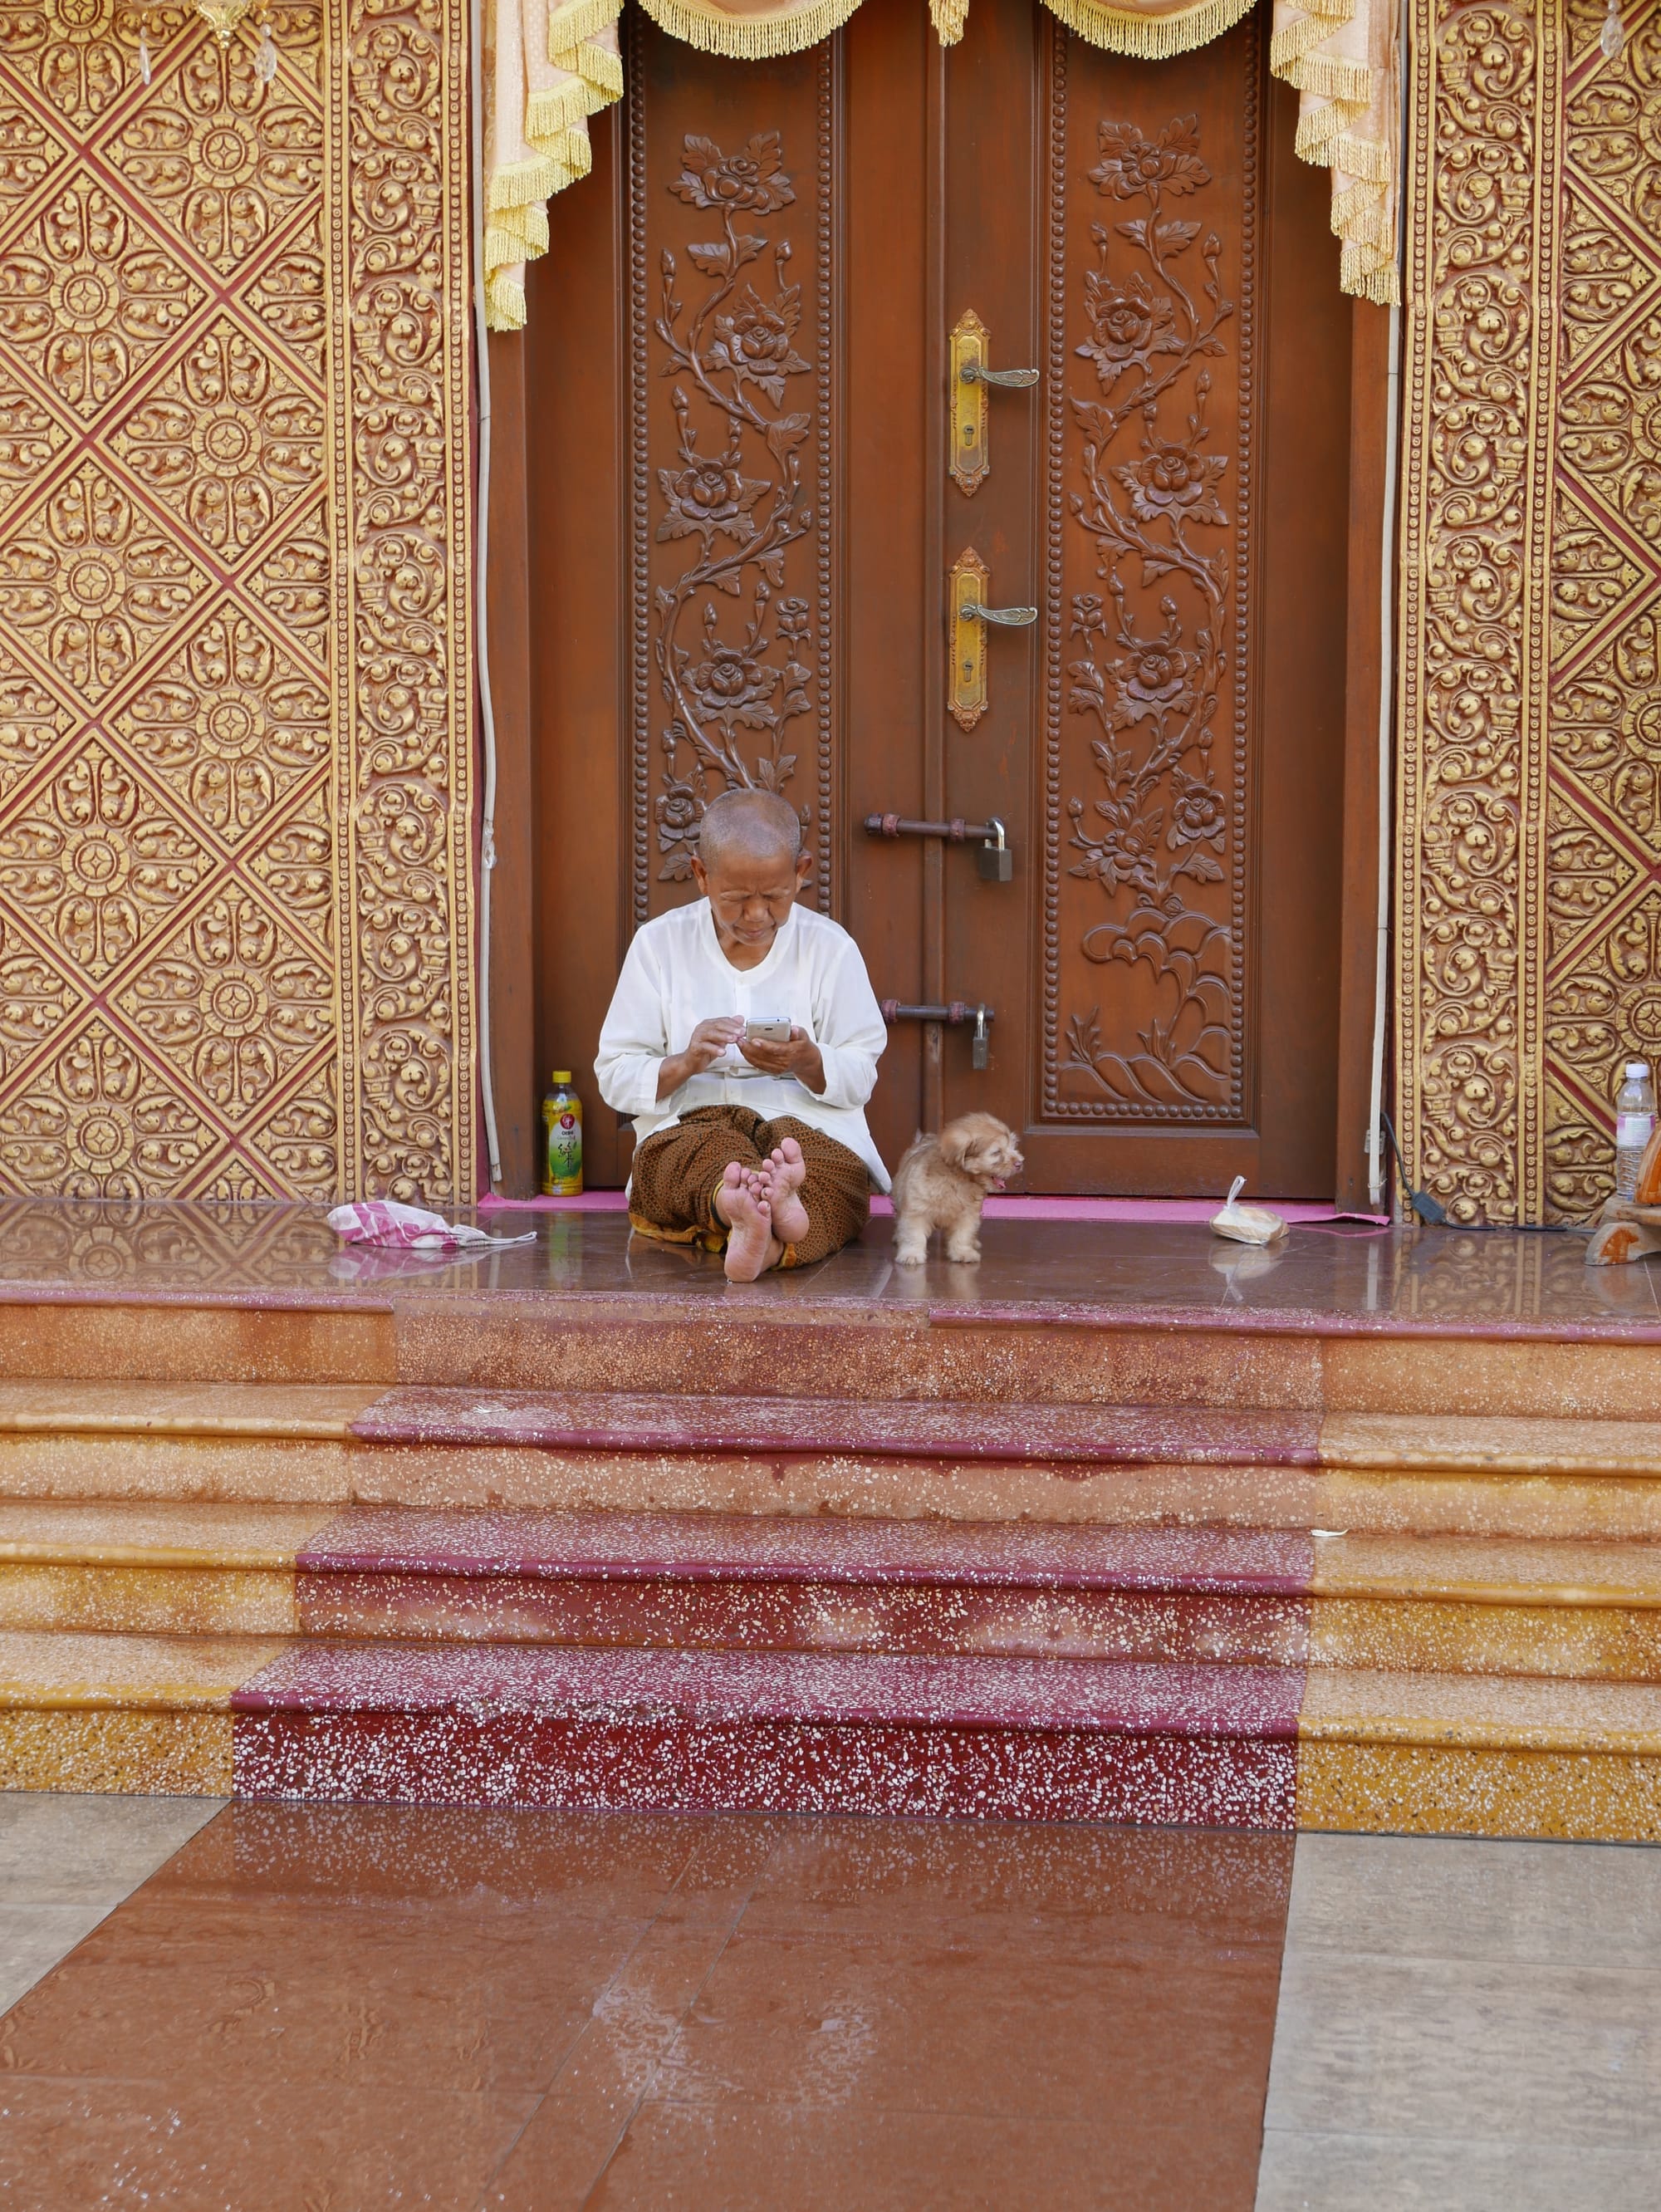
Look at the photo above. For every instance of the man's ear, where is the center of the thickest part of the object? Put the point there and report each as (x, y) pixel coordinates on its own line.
(700, 876)
(803, 867)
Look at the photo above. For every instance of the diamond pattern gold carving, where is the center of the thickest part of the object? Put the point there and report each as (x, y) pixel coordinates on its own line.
(219, 159)
(96, 863)
(227, 441)
(29, 151)
(293, 582)
(234, 1002)
(293, 864)
(88, 294)
(1529, 945)
(36, 996)
(96, 1120)
(31, 723)
(288, 298)
(230, 722)
(92, 583)
(234, 686)
(31, 437)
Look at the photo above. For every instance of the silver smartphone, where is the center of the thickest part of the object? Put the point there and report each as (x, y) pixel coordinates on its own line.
(768, 1028)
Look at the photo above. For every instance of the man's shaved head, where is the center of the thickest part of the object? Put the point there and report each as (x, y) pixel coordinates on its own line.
(758, 825)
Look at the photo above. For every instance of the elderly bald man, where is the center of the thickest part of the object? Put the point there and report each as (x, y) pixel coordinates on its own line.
(757, 1148)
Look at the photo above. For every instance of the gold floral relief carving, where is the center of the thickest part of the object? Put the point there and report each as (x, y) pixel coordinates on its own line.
(230, 723)
(96, 863)
(234, 684)
(1467, 785)
(222, 160)
(1531, 790)
(88, 294)
(90, 583)
(32, 724)
(227, 439)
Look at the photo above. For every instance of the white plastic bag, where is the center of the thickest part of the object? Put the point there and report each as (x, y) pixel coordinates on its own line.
(1246, 1225)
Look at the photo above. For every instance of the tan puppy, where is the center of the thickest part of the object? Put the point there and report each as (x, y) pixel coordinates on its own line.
(943, 1181)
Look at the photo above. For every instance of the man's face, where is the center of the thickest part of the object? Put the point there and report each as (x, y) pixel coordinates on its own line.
(750, 895)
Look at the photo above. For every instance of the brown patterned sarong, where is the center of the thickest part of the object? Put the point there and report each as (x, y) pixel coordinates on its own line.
(676, 1171)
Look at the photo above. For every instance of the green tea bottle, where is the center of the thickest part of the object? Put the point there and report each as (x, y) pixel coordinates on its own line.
(562, 1154)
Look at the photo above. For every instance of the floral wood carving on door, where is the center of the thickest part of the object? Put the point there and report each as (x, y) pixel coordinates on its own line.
(731, 698)
(1155, 833)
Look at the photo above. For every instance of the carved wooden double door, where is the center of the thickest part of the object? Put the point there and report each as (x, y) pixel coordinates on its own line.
(763, 494)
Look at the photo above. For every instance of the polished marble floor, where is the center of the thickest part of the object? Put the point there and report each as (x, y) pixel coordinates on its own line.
(344, 2009)
(1347, 1274)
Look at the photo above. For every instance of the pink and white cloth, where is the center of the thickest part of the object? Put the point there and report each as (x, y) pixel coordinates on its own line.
(383, 1221)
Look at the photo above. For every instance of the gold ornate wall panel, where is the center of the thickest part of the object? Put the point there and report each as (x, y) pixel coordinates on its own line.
(234, 549)
(1528, 872)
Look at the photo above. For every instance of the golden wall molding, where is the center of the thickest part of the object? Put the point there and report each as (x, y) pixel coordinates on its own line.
(235, 866)
(1529, 877)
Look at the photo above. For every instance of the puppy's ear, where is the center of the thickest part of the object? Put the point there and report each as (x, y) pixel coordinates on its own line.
(954, 1144)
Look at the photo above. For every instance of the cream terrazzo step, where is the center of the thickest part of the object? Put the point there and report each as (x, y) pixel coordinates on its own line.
(303, 1411)
(1454, 1754)
(147, 1715)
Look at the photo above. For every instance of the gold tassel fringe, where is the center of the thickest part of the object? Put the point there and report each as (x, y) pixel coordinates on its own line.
(557, 127)
(948, 18)
(754, 38)
(1364, 224)
(1149, 37)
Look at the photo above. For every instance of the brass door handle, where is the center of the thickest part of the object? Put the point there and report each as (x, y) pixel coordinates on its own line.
(967, 458)
(1012, 380)
(1011, 617)
(965, 676)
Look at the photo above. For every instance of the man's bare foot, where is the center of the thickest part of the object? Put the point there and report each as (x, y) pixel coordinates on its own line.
(752, 1248)
(782, 1174)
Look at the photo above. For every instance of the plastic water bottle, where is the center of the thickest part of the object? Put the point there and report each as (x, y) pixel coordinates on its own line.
(1634, 1124)
(562, 1125)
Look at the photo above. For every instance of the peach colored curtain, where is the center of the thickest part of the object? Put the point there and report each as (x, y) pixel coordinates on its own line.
(550, 67)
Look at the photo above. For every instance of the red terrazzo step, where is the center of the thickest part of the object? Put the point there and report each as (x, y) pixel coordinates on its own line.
(743, 1582)
(750, 1547)
(1003, 1739)
(908, 1429)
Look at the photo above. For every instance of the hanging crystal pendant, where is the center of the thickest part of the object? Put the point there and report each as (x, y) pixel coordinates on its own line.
(144, 51)
(1613, 38)
(265, 62)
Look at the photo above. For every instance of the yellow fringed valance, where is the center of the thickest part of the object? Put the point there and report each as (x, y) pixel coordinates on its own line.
(1154, 33)
(749, 33)
(1344, 56)
(550, 67)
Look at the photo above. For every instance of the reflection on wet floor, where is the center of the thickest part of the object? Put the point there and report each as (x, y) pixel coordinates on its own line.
(187, 1249)
(363, 2007)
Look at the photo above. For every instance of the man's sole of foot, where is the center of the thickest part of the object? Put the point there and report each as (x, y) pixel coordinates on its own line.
(784, 1177)
(749, 1236)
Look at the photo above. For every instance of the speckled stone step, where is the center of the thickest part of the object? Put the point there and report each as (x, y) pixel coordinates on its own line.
(990, 1738)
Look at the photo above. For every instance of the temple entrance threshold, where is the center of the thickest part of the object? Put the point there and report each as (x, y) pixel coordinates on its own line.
(1365, 1533)
(962, 445)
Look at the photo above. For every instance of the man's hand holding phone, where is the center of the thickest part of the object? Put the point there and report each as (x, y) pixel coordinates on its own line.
(794, 1053)
(703, 1048)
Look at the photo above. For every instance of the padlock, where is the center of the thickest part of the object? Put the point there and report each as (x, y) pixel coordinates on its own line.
(995, 860)
(981, 1043)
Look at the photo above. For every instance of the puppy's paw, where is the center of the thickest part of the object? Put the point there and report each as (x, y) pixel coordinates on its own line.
(910, 1251)
(964, 1252)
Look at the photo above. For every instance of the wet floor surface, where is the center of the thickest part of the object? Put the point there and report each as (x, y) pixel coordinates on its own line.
(346, 2009)
(52, 1247)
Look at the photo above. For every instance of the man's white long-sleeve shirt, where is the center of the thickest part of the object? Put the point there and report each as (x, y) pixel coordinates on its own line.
(675, 976)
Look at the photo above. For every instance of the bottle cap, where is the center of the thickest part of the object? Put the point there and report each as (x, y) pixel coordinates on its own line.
(563, 1074)
(1634, 1068)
